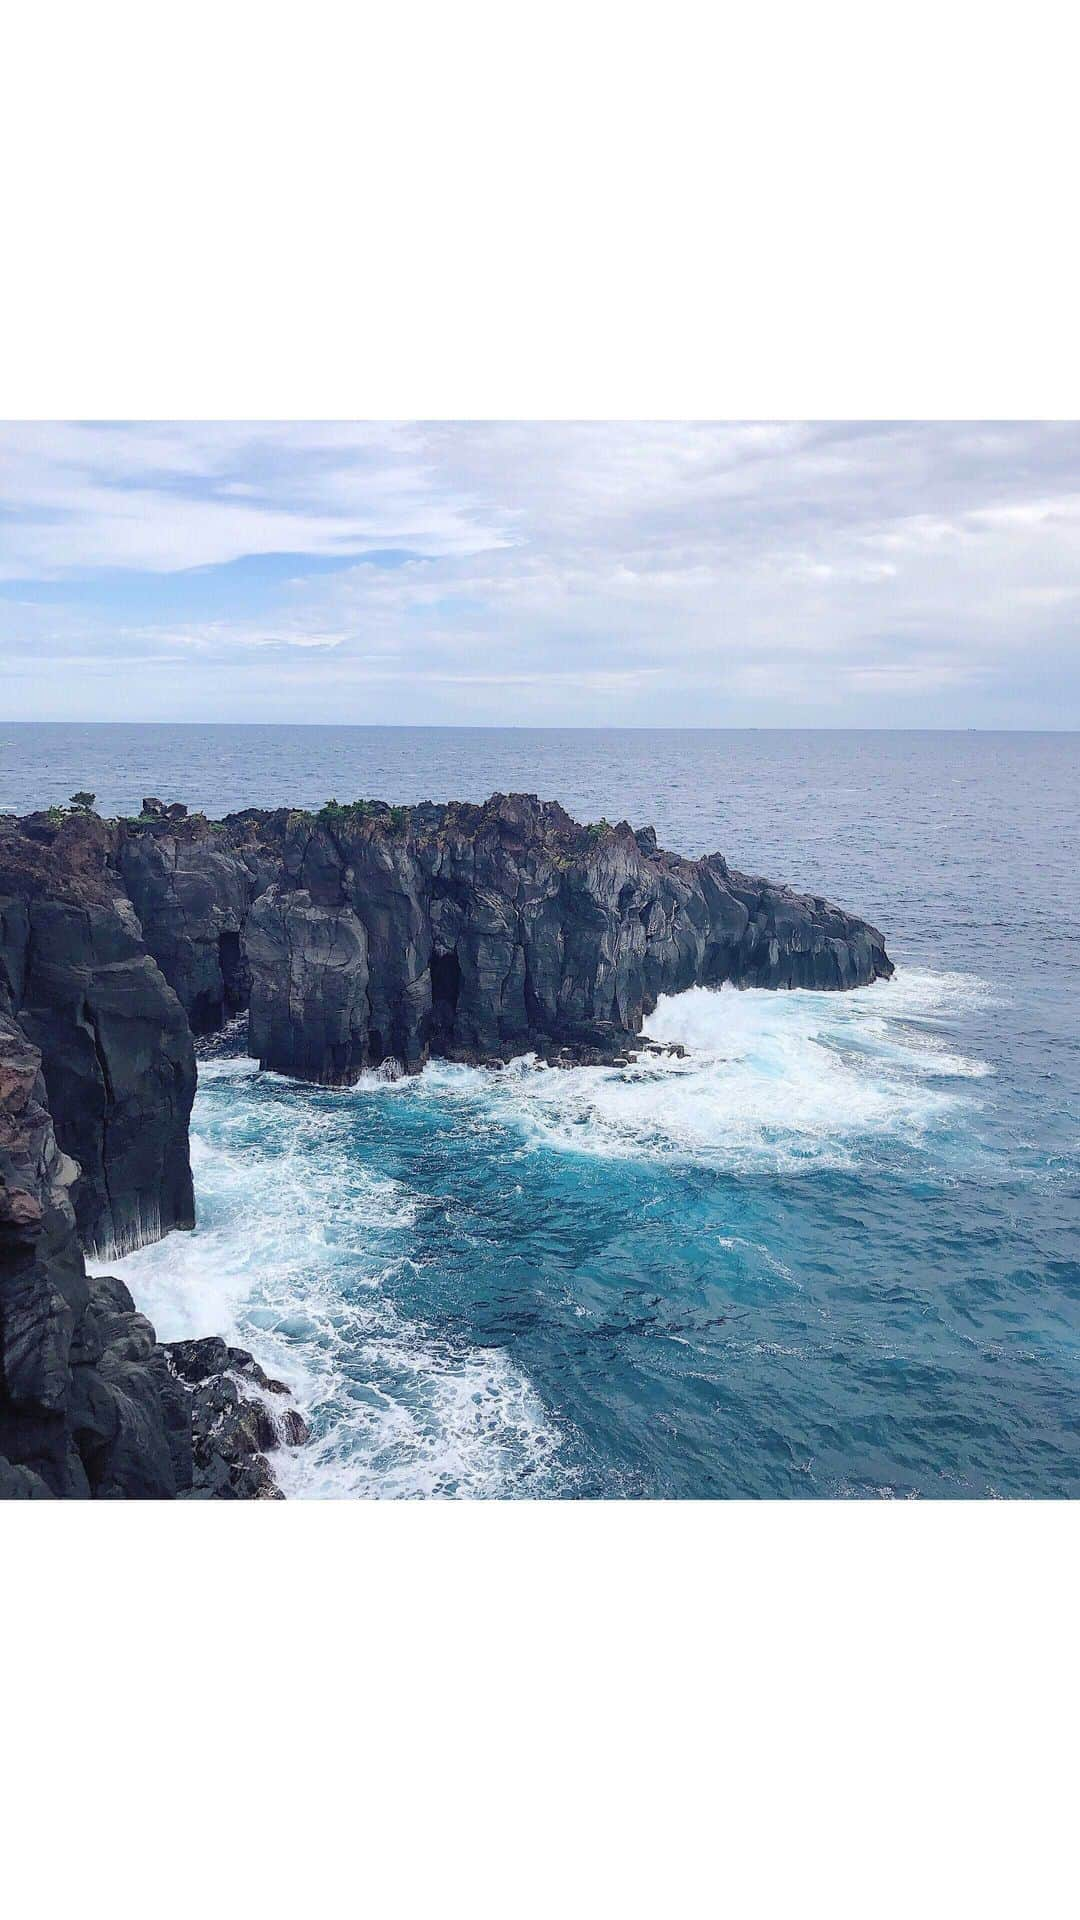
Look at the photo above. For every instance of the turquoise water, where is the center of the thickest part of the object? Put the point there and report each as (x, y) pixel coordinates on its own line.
(836, 1250)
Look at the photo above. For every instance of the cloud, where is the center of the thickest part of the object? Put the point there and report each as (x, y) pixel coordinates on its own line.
(679, 573)
(165, 498)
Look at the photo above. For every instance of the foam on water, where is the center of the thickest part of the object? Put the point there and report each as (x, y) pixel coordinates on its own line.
(311, 1255)
(783, 1081)
(295, 1245)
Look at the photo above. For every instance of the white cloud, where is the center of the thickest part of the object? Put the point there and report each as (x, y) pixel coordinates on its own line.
(675, 572)
(165, 498)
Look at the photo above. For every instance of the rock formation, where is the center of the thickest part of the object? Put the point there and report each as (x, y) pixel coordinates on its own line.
(355, 936)
(91, 1405)
(368, 933)
(97, 1075)
(116, 1048)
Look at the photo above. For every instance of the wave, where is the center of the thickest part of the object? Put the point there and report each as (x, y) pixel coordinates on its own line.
(312, 1253)
(297, 1249)
(782, 1082)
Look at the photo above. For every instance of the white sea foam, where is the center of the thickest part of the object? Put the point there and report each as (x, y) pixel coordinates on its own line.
(303, 1252)
(293, 1257)
(771, 1081)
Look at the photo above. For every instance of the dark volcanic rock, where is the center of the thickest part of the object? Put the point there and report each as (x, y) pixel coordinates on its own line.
(191, 901)
(79, 1407)
(480, 932)
(233, 1429)
(371, 933)
(90, 1404)
(43, 1287)
(115, 1046)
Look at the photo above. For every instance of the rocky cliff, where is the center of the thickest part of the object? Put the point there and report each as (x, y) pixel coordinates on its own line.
(356, 936)
(97, 1075)
(115, 1045)
(91, 1404)
(367, 933)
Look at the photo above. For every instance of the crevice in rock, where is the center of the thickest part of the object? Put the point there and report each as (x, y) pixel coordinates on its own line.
(445, 988)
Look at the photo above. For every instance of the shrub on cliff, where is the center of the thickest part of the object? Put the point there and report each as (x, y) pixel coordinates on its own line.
(334, 812)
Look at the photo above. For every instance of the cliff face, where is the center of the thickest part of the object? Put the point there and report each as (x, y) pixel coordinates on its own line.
(115, 1045)
(191, 901)
(91, 1404)
(480, 932)
(44, 1292)
(369, 933)
(97, 1074)
(357, 935)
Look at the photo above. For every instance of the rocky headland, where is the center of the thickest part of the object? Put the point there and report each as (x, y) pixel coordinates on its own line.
(360, 936)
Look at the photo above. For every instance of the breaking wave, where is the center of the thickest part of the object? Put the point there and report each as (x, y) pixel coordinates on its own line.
(780, 1081)
(337, 1240)
(294, 1256)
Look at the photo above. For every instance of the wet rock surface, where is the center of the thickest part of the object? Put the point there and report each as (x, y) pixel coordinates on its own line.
(92, 1405)
(236, 1418)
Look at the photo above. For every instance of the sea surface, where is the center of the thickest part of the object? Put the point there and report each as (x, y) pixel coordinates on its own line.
(833, 1252)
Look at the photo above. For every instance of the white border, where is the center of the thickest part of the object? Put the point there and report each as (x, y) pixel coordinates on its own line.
(580, 210)
(585, 1709)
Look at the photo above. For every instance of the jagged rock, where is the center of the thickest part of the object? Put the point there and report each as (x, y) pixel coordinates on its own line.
(91, 1406)
(294, 1428)
(115, 1046)
(371, 934)
(196, 1361)
(191, 900)
(232, 1430)
(481, 932)
(22, 1483)
(43, 1286)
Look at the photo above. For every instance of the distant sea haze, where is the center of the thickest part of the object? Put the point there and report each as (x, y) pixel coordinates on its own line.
(833, 1252)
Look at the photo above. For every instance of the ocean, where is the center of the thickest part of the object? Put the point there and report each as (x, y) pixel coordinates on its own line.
(835, 1251)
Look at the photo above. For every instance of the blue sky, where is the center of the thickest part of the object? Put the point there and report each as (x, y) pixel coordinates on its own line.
(622, 574)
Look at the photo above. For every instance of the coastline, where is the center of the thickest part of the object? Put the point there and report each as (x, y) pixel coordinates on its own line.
(365, 936)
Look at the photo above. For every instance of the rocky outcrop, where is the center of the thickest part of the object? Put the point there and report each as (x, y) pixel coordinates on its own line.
(237, 1418)
(369, 933)
(115, 1046)
(481, 932)
(97, 1075)
(191, 901)
(91, 1405)
(44, 1292)
(361, 935)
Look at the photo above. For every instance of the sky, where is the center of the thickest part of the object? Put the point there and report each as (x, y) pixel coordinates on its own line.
(618, 574)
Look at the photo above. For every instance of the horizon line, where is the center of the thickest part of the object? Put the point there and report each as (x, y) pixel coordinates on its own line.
(460, 726)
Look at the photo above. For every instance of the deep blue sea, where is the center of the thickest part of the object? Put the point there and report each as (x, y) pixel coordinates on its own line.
(835, 1251)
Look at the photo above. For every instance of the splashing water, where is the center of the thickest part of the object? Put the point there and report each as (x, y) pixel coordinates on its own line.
(744, 1271)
